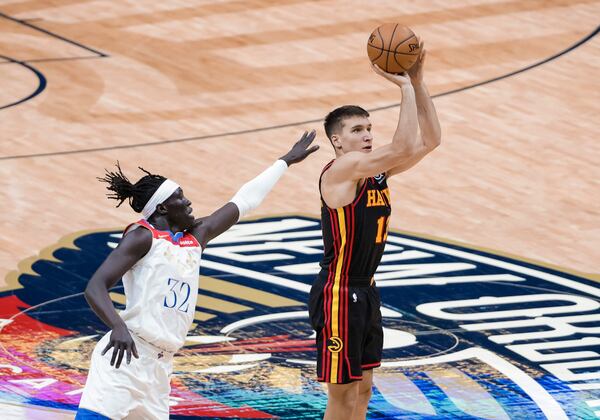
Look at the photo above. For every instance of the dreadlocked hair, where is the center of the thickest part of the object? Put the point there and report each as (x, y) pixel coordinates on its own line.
(137, 194)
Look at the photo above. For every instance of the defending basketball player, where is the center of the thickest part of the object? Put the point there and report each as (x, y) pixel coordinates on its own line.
(344, 302)
(159, 260)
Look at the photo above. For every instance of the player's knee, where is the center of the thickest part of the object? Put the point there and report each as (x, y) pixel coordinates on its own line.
(345, 397)
(347, 402)
(364, 395)
(367, 391)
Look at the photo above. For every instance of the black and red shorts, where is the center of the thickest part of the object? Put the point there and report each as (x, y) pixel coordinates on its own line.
(346, 316)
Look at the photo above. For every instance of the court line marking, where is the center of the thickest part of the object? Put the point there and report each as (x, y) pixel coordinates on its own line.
(52, 34)
(41, 81)
(294, 124)
(46, 60)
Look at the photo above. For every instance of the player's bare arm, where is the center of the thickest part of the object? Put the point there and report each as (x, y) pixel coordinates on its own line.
(339, 183)
(130, 250)
(222, 219)
(429, 124)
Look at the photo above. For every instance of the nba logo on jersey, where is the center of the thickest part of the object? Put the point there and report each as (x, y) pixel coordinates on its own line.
(379, 178)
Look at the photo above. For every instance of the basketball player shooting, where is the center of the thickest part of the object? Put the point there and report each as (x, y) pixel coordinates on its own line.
(344, 303)
(159, 261)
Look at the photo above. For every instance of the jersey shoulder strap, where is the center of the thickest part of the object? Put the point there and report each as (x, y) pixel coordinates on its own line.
(141, 223)
(322, 172)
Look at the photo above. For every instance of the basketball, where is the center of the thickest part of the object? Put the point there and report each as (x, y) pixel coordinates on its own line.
(393, 47)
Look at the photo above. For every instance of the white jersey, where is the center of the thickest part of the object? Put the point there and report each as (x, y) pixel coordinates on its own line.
(162, 288)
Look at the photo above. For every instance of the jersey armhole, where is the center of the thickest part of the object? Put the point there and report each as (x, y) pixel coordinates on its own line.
(139, 224)
(358, 195)
(321, 177)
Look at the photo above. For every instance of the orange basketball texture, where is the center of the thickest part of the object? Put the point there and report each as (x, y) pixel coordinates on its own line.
(393, 47)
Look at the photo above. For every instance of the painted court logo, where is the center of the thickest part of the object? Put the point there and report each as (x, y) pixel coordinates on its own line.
(467, 334)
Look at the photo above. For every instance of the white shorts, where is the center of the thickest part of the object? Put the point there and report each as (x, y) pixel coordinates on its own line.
(139, 390)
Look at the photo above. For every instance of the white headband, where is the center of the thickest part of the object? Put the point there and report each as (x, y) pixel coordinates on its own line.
(166, 189)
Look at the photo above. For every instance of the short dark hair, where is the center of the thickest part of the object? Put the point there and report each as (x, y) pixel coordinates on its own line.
(333, 120)
(137, 194)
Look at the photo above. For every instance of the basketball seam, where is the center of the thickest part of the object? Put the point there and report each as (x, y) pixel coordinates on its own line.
(395, 52)
(372, 46)
(401, 66)
(383, 49)
(387, 59)
(403, 41)
(395, 59)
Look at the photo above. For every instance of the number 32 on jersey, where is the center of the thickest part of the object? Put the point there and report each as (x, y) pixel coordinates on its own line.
(178, 295)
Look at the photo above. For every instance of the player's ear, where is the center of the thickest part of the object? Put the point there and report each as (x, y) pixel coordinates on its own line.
(161, 209)
(335, 140)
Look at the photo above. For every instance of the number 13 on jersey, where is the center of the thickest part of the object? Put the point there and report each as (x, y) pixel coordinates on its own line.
(382, 229)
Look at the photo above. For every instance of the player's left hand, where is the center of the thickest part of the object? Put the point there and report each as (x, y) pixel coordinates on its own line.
(416, 71)
(300, 150)
(122, 343)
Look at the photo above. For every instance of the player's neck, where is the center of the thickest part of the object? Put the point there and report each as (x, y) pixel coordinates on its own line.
(161, 223)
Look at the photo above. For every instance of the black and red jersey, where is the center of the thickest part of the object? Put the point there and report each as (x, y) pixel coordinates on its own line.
(354, 236)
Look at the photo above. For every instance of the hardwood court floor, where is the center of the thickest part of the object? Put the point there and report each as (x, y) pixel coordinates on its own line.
(211, 92)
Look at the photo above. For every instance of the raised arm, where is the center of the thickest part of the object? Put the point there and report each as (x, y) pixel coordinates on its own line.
(353, 166)
(252, 193)
(429, 124)
(131, 249)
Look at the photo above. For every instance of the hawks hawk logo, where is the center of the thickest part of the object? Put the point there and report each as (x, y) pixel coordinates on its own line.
(466, 333)
(335, 344)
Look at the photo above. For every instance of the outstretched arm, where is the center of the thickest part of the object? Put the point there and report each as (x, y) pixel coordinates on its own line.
(252, 193)
(429, 124)
(131, 249)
